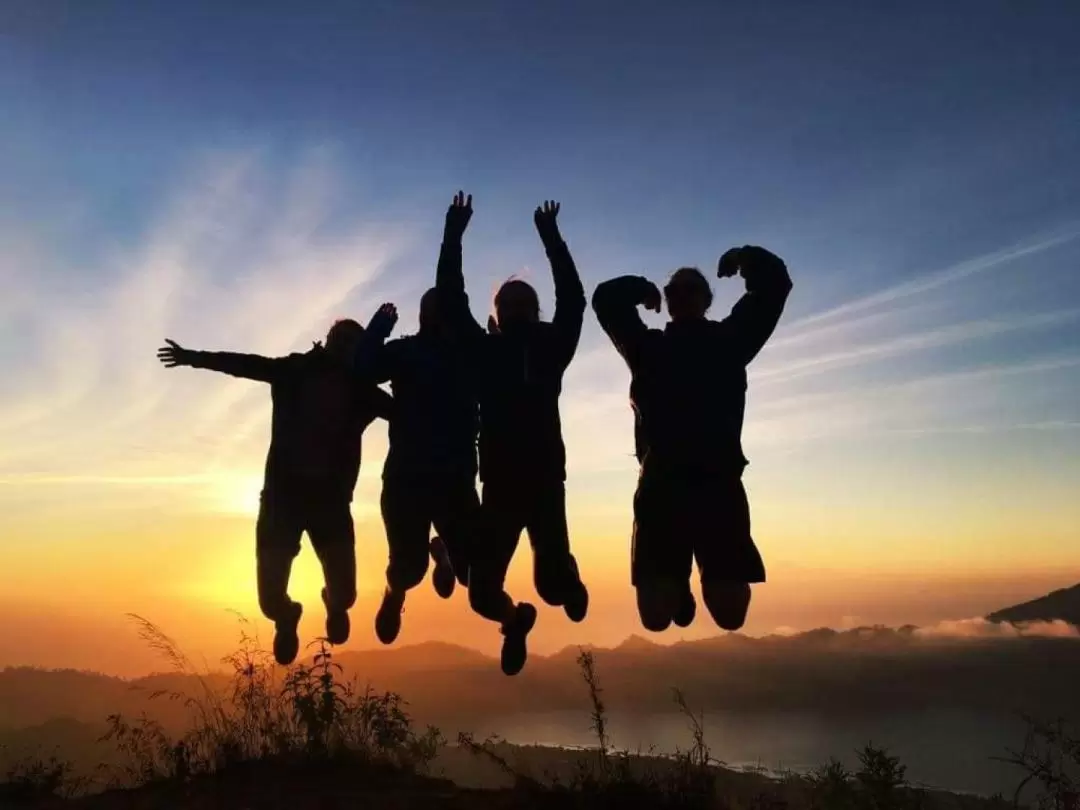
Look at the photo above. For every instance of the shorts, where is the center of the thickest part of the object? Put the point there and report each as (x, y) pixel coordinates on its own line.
(680, 519)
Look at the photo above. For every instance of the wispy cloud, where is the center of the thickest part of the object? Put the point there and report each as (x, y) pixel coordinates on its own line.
(227, 265)
(934, 280)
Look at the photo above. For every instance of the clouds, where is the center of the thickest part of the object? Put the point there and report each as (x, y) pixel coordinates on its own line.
(249, 253)
(942, 352)
(978, 628)
(239, 257)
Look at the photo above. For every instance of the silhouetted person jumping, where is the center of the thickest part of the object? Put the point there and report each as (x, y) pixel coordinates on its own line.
(430, 473)
(688, 390)
(320, 412)
(520, 362)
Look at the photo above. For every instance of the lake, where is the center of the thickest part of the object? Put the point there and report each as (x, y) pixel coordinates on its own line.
(941, 749)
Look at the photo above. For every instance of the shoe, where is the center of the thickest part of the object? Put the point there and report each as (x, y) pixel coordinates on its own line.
(337, 623)
(577, 602)
(514, 649)
(388, 619)
(443, 576)
(286, 640)
(684, 614)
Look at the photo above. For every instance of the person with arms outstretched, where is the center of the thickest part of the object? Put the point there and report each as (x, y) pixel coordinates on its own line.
(429, 478)
(520, 361)
(320, 412)
(688, 391)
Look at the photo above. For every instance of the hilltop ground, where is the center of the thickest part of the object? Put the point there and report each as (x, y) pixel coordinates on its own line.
(315, 740)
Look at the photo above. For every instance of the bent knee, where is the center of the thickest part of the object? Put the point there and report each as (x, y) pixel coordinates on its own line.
(727, 602)
(554, 580)
(273, 605)
(405, 574)
(487, 601)
(657, 604)
(342, 596)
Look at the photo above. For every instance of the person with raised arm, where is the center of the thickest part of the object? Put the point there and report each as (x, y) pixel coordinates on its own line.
(320, 413)
(519, 364)
(688, 391)
(429, 478)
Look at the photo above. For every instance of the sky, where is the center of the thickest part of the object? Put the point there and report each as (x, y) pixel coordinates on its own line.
(236, 177)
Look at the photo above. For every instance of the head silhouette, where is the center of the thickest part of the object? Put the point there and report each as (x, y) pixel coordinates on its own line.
(342, 338)
(430, 320)
(688, 294)
(516, 303)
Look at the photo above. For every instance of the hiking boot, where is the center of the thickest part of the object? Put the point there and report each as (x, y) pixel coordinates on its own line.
(684, 614)
(388, 619)
(577, 602)
(337, 622)
(514, 650)
(286, 639)
(443, 576)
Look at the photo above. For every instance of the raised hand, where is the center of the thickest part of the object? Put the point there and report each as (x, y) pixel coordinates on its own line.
(546, 218)
(749, 261)
(383, 321)
(173, 354)
(652, 300)
(457, 217)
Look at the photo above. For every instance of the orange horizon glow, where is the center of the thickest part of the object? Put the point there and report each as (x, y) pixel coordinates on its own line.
(886, 484)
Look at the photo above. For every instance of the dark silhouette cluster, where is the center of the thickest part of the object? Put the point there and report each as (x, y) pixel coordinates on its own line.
(471, 400)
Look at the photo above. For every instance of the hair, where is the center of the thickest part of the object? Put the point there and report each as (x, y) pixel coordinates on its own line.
(341, 327)
(516, 281)
(693, 276)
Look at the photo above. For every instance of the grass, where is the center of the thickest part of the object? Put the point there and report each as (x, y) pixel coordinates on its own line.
(311, 723)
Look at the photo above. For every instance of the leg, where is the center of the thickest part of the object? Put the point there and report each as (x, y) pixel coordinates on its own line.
(408, 524)
(277, 542)
(501, 526)
(728, 559)
(728, 602)
(334, 539)
(555, 571)
(501, 523)
(661, 555)
(458, 523)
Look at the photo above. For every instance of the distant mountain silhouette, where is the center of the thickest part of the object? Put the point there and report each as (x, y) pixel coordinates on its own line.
(868, 672)
(1062, 605)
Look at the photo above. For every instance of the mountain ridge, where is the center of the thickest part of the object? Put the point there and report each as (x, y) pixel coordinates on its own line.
(1060, 605)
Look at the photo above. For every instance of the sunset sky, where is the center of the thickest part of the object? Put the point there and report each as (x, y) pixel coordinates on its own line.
(237, 180)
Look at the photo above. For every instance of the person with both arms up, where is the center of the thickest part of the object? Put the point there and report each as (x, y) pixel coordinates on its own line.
(519, 365)
(688, 390)
(429, 478)
(320, 413)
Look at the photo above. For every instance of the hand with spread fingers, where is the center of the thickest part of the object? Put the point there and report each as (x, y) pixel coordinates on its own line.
(173, 354)
(457, 217)
(546, 219)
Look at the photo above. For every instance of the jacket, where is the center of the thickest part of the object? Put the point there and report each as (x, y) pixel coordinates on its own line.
(688, 380)
(320, 412)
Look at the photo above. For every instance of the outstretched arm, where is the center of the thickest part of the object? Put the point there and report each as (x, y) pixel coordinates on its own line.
(616, 303)
(449, 277)
(247, 366)
(755, 315)
(569, 292)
